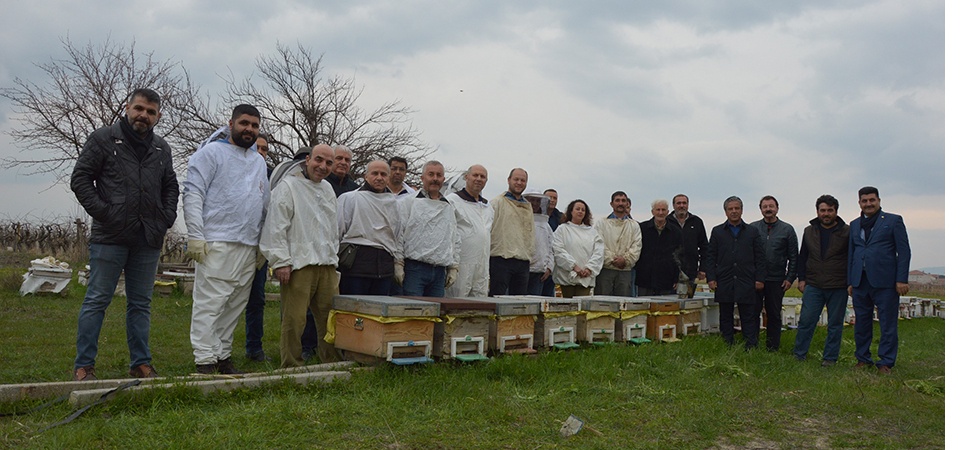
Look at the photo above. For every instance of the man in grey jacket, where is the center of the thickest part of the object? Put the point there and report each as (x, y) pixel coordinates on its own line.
(125, 180)
(779, 240)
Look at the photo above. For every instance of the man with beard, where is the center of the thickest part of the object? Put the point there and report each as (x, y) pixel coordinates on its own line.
(428, 237)
(877, 274)
(735, 266)
(300, 241)
(780, 245)
(474, 219)
(657, 268)
(823, 279)
(695, 244)
(396, 179)
(368, 219)
(123, 172)
(511, 238)
(225, 199)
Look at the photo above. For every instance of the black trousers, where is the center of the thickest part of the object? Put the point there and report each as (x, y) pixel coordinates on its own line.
(747, 314)
(771, 300)
(508, 276)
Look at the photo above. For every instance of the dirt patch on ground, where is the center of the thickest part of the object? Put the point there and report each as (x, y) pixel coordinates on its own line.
(805, 433)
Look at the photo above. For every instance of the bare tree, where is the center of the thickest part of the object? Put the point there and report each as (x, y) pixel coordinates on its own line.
(300, 109)
(87, 90)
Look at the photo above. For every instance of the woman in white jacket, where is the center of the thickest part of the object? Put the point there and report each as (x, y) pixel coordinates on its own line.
(578, 251)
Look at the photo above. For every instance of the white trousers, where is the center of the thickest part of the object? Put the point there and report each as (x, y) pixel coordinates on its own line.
(221, 287)
(473, 280)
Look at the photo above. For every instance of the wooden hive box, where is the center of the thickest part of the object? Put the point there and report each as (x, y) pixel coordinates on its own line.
(940, 309)
(710, 314)
(849, 317)
(464, 332)
(632, 323)
(512, 325)
(556, 323)
(791, 312)
(904, 307)
(598, 323)
(689, 320)
(398, 330)
(662, 322)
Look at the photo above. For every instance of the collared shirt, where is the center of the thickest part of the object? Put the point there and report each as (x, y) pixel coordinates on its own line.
(513, 197)
(465, 195)
(734, 229)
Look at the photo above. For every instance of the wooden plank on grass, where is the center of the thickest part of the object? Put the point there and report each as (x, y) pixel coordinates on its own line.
(80, 398)
(51, 389)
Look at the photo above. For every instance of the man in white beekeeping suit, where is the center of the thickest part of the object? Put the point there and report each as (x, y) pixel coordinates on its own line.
(474, 217)
(429, 238)
(300, 239)
(225, 198)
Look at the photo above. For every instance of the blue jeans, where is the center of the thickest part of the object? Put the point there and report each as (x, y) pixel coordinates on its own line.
(548, 287)
(866, 299)
(423, 280)
(255, 312)
(814, 300)
(107, 262)
(535, 286)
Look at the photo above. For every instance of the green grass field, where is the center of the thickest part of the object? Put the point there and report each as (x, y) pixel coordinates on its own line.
(696, 393)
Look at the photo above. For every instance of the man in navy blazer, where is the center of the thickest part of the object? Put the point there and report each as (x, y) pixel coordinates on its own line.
(877, 274)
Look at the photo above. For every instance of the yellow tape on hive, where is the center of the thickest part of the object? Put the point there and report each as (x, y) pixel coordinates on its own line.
(590, 315)
(626, 315)
(331, 335)
(552, 315)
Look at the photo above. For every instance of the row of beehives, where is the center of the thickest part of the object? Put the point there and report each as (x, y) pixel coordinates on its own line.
(408, 330)
(170, 276)
(908, 308)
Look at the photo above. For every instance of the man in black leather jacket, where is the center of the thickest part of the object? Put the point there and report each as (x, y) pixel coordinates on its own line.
(124, 178)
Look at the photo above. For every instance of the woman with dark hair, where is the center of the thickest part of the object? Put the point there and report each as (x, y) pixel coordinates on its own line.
(578, 251)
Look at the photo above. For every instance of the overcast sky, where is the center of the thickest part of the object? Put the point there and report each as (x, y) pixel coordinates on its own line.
(712, 99)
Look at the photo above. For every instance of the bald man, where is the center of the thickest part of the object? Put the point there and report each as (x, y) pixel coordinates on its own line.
(300, 240)
(368, 219)
(474, 218)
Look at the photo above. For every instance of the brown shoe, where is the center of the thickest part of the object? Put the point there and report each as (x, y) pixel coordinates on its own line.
(884, 370)
(143, 371)
(86, 373)
(861, 365)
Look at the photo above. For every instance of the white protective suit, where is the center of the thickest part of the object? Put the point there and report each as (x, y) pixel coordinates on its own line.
(225, 194)
(473, 221)
(544, 256)
(369, 218)
(579, 245)
(225, 199)
(301, 228)
(428, 231)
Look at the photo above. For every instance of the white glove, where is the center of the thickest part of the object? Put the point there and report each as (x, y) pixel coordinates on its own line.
(399, 272)
(197, 250)
(451, 274)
